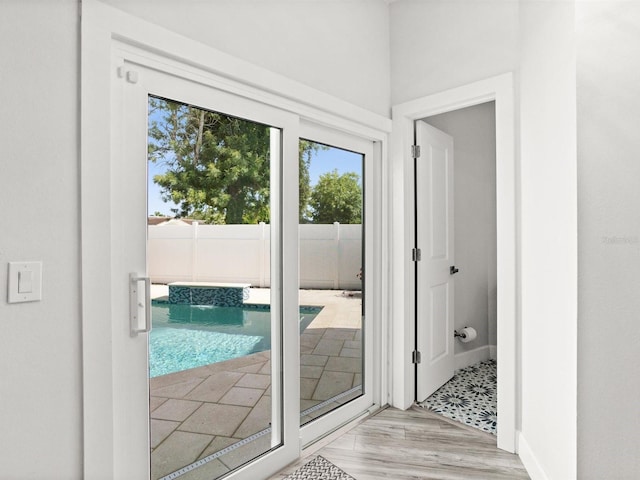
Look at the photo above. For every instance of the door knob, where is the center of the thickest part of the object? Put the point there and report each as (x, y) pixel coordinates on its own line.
(453, 270)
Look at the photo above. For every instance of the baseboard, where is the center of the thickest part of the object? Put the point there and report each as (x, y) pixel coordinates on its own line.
(529, 460)
(493, 352)
(471, 357)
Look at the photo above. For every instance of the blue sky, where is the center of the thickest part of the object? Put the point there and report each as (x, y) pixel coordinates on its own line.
(322, 161)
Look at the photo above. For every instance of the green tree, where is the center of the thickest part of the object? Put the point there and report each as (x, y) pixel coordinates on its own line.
(305, 153)
(217, 166)
(337, 198)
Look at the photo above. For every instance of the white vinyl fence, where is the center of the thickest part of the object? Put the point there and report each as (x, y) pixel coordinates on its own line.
(330, 255)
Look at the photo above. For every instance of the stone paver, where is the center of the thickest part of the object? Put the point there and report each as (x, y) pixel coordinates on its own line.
(255, 368)
(310, 372)
(344, 364)
(217, 444)
(339, 334)
(329, 347)
(198, 412)
(178, 450)
(257, 420)
(215, 419)
(161, 429)
(307, 387)
(173, 409)
(332, 384)
(177, 390)
(317, 360)
(355, 344)
(351, 352)
(246, 397)
(213, 388)
(155, 402)
(254, 380)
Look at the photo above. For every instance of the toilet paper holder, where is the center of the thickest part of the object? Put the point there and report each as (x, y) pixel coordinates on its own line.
(462, 334)
(459, 334)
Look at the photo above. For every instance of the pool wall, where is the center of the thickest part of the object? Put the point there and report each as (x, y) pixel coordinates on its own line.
(220, 295)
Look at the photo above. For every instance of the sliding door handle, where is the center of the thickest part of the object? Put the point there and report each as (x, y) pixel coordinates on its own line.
(136, 304)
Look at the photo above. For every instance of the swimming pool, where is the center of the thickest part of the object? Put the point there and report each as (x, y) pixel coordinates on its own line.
(190, 336)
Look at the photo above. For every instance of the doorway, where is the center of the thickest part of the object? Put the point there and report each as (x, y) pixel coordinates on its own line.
(465, 139)
(500, 90)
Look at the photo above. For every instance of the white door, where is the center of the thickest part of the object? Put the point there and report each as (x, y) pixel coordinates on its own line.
(434, 239)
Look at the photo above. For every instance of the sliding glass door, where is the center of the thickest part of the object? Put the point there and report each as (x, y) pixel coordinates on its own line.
(214, 327)
(335, 251)
(242, 271)
(214, 317)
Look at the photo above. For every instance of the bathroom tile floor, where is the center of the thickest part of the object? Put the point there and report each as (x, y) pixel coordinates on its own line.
(469, 397)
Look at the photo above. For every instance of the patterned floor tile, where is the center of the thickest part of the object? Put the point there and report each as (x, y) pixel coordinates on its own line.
(319, 469)
(469, 397)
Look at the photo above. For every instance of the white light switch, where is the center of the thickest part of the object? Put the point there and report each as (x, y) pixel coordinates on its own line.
(25, 282)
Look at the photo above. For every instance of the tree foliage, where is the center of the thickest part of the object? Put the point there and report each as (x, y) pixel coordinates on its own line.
(337, 198)
(217, 166)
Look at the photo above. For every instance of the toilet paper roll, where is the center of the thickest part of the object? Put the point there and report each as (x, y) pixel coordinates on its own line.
(468, 334)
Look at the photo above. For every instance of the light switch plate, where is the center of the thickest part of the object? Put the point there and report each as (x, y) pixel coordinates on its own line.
(25, 282)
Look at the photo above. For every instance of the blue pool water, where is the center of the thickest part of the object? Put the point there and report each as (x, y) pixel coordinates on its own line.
(190, 336)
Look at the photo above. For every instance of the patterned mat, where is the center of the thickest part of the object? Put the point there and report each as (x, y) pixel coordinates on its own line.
(319, 469)
(469, 397)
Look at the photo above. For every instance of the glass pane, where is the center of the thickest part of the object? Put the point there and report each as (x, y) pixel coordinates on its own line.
(331, 277)
(209, 244)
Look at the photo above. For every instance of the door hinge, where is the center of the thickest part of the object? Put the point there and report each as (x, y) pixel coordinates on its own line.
(415, 151)
(416, 357)
(416, 255)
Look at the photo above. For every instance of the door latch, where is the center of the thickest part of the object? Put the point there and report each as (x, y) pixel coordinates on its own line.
(135, 304)
(453, 270)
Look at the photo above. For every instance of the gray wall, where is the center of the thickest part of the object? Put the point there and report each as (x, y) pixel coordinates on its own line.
(440, 44)
(474, 136)
(338, 47)
(608, 70)
(40, 351)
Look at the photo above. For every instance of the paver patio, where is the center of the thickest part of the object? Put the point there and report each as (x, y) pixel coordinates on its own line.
(198, 412)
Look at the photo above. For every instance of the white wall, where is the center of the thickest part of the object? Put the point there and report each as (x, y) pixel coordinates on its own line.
(434, 45)
(338, 47)
(40, 344)
(549, 238)
(40, 351)
(438, 45)
(609, 239)
(441, 44)
(474, 136)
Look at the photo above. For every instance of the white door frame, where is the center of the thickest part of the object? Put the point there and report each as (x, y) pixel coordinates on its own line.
(500, 90)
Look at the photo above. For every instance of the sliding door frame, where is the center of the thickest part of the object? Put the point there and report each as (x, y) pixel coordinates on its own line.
(109, 38)
(337, 417)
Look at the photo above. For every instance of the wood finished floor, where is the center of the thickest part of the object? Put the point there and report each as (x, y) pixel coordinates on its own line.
(416, 444)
